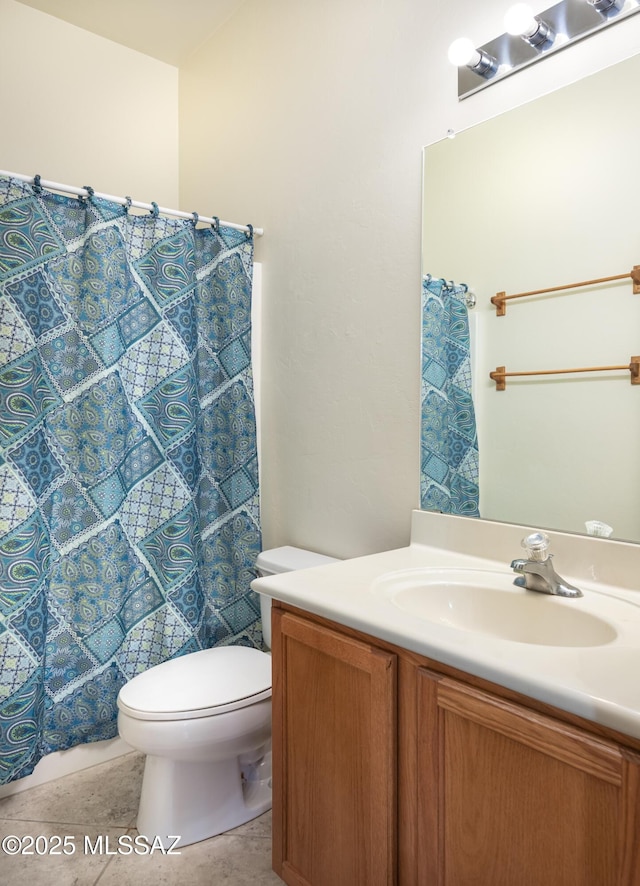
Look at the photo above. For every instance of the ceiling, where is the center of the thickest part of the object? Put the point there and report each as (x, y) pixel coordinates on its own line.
(169, 30)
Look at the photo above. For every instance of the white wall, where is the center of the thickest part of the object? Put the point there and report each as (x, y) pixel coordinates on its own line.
(303, 118)
(308, 118)
(79, 109)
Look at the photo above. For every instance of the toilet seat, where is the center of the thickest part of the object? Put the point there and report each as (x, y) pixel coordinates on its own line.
(201, 684)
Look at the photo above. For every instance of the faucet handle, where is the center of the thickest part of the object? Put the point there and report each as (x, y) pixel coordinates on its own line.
(537, 546)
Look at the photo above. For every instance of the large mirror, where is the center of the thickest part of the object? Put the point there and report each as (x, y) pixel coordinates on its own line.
(546, 195)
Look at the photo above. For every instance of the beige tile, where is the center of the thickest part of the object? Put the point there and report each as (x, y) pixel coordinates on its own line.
(90, 804)
(77, 868)
(107, 795)
(221, 861)
(257, 827)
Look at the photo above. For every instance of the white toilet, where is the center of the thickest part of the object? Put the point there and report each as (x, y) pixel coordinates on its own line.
(204, 722)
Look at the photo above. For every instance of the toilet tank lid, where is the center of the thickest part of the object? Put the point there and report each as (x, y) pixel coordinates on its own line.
(287, 558)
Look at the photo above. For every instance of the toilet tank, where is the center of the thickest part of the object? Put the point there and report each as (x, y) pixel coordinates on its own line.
(276, 561)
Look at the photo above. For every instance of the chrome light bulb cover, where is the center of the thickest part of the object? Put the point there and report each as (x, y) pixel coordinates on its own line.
(606, 6)
(543, 34)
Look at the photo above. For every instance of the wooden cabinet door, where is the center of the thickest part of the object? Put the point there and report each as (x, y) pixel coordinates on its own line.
(509, 797)
(334, 751)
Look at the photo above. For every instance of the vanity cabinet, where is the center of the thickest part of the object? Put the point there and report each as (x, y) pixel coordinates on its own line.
(508, 795)
(334, 772)
(392, 770)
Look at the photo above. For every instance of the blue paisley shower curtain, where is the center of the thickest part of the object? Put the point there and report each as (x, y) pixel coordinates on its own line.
(129, 515)
(449, 442)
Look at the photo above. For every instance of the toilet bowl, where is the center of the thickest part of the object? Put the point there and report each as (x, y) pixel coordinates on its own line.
(204, 722)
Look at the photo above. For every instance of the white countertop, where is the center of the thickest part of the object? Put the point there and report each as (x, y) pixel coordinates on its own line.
(600, 683)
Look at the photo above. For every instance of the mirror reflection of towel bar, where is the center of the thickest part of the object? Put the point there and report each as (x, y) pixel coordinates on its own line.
(500, 298)
(501, 374)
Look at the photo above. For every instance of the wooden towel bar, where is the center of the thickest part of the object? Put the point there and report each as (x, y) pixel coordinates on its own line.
(500, 298)
(499, 376)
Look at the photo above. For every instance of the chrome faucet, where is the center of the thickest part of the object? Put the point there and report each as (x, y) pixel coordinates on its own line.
(537, 572)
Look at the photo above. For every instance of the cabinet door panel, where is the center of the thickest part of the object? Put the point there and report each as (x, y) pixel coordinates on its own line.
(334, 731)
(520, 797)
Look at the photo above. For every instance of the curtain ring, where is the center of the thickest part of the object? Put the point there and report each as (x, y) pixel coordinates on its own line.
(249, 233)
(154, 209)
(37, 187)
(81, 197)
(195, 218)
(127, 205)
(215, 224)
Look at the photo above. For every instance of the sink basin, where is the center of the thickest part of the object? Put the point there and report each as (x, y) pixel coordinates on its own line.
(487, 602)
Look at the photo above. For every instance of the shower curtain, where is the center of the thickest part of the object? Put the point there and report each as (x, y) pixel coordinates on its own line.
(449, 442)
(129, 513)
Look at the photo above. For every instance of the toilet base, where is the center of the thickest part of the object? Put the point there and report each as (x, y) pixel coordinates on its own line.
(197, 800)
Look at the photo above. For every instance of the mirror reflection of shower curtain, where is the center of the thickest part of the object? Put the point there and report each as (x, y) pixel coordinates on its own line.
(129, 520)
(449, 441)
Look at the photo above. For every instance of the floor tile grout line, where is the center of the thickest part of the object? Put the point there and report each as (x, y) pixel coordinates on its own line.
(27, 816)
(110, 826)
(68, 824)
(105, 868)
(245, 836)
(111, 860)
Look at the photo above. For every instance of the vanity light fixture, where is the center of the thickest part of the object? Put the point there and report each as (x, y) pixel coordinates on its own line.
(530, 37)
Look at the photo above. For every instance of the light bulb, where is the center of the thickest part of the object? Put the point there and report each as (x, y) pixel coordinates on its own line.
(519, 21)
(462, 52)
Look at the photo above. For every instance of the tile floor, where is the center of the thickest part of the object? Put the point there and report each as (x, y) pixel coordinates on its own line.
(101, 802)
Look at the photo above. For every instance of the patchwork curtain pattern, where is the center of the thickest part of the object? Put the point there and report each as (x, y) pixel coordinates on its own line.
(129, 514)
(449, 443)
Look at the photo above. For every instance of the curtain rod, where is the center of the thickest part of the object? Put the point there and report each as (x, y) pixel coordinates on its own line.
(127, 201)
